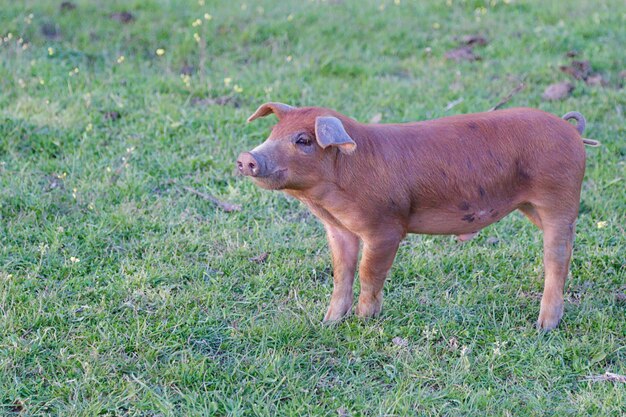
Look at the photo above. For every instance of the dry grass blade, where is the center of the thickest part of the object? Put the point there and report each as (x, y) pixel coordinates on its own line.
(259, 259)
(508, 97)
(607, 376)
(227, 207)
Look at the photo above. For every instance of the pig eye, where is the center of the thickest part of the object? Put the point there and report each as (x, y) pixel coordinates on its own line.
(303, 140)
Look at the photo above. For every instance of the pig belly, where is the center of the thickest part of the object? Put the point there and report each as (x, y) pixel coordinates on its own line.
(465, 224)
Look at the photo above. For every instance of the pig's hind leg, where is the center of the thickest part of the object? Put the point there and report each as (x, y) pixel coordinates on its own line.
(558, 226)
(344, 247)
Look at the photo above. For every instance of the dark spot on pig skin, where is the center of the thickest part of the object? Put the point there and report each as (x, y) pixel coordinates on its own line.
(468, 217)
(472, 125)
(443, 174)
(494, 213)
(469, 164)
(481, 191)
(464, 206)
(521, 171)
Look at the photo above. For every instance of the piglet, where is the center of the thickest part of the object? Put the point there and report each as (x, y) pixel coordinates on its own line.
(374, 183)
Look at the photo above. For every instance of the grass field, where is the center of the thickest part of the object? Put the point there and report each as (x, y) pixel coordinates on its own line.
(123, 292)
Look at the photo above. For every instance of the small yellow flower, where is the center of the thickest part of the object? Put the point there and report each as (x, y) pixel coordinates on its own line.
(602, 224)
(396, 2)
(21, 82)
(89, 127)
(196, 22)
(227, 81)
(108, 169)
(381, 7)
(436, 25)
(244, 6)
(74, 71)
(90, 206)
(50, 51)
(201, 2)
(120, 59)
(196, 37)
(160, 51)
(268, 89)
(186, 80)
(74, 260)
(74, 190)
(289, 58)
(9, 35)
(237, 89)
(207, 16)
(290, 18)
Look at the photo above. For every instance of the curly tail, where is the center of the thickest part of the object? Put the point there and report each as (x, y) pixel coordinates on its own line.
(580, 126)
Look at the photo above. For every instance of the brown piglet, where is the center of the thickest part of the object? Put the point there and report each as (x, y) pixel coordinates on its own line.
(374, 183)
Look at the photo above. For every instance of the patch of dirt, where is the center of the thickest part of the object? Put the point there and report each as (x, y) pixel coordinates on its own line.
(474, 40)
(53, 182)
(67, 6)
(50, 31)
(260, 259)
(464, 53)
(17, 407)
(596, 80)
(123, 17)
(579, 70)
(582, 70)
(187, 70)
(399, 341)
(558, 91)
(111, 115)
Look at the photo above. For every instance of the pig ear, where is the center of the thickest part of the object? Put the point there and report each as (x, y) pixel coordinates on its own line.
(329, 131)
(277, 108)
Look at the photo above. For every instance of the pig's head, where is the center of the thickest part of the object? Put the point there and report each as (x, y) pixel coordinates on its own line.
(301, 150)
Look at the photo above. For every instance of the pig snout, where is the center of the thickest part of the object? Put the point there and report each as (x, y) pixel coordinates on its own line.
(252, 165)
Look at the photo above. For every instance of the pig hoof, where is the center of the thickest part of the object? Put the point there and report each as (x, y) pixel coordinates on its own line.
(549, 317)
(334, 315)
(368, 310)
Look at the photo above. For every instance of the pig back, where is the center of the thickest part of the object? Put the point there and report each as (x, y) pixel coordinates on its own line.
(485, 159)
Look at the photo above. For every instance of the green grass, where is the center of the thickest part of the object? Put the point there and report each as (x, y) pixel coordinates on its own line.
(164, 313)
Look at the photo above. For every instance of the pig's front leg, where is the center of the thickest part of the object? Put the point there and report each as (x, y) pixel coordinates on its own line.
(378, 254)
(344, 247)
